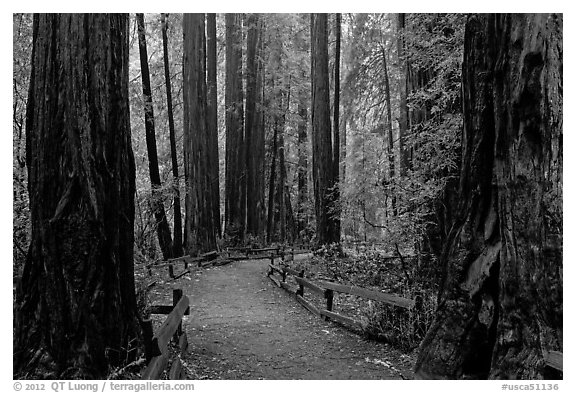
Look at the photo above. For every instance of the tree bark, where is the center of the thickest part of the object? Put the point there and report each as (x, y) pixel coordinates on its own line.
(390, 148)
(322, 153)
(272, 184)
(336, 158)
(254, 130)
(177, 242)
(201, 229)
(302, 216)
(282, 179)
(76, 313)
(235, 142)
(212, 108)
(500, 306)
(403, 123)
(162, 226)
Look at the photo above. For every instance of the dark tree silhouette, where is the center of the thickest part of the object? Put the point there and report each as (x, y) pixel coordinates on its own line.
(162, 226)
(213, 116)
(500, 305)
(254, 129)
(177, 242)
(403, 121)
(336, 118)
(201, 229)
(77, 311)
(322, 153)
(235, 197)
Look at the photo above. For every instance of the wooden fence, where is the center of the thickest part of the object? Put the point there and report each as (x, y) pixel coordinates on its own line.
(214, 258)
(553, 359)
(156, 345)
(326, 290)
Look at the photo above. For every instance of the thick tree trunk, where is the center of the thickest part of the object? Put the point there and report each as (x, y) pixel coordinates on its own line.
(162, 226)
(322, 154)
(336, 158)
(76, 313)
(201, 228)
(254, 130)
(212, 108)
(235, 141)
(403, 69)
(177, 242)
(500, 305)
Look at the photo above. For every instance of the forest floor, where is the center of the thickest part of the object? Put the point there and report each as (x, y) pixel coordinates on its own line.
(241, 326)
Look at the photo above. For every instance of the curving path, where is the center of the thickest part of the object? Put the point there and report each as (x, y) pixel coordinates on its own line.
(244, 327)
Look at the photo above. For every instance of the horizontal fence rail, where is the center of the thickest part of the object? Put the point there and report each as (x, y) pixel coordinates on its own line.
(326, 289)
(554, 359)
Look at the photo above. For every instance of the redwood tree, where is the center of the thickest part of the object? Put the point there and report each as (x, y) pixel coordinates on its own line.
(403, 70)
(390, 148)
(212, 108)
(301, 211)
(201, 230)
(322, 153)
(235, 197)
(500, 306)
(254, 129)
(336, 118)
(177, 243)
(76, 312)
(162, 226)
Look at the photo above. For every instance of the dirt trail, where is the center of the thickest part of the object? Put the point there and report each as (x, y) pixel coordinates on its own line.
(244, 327)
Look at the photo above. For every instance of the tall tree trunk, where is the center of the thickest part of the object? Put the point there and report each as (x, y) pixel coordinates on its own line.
(500, 306)
(272, 183)
(201, 228)
(403, 123)
(336, 158)
(343, 141)
(177, 242)
(76, 315)
(212, 108)
(254, 130)
(302, 216)
(235, 143)
(282, 162)
(162, 226)
(390, 130)
(282, 181)
(322, 157)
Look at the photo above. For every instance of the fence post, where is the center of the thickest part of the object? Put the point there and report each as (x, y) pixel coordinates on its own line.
(148, 334)
(185, 263)
(300, 290)
(171, 270)
(176, 296)
(329, 295)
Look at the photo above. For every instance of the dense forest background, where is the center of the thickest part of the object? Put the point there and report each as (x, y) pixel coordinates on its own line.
(433, 141)
(382, 193)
